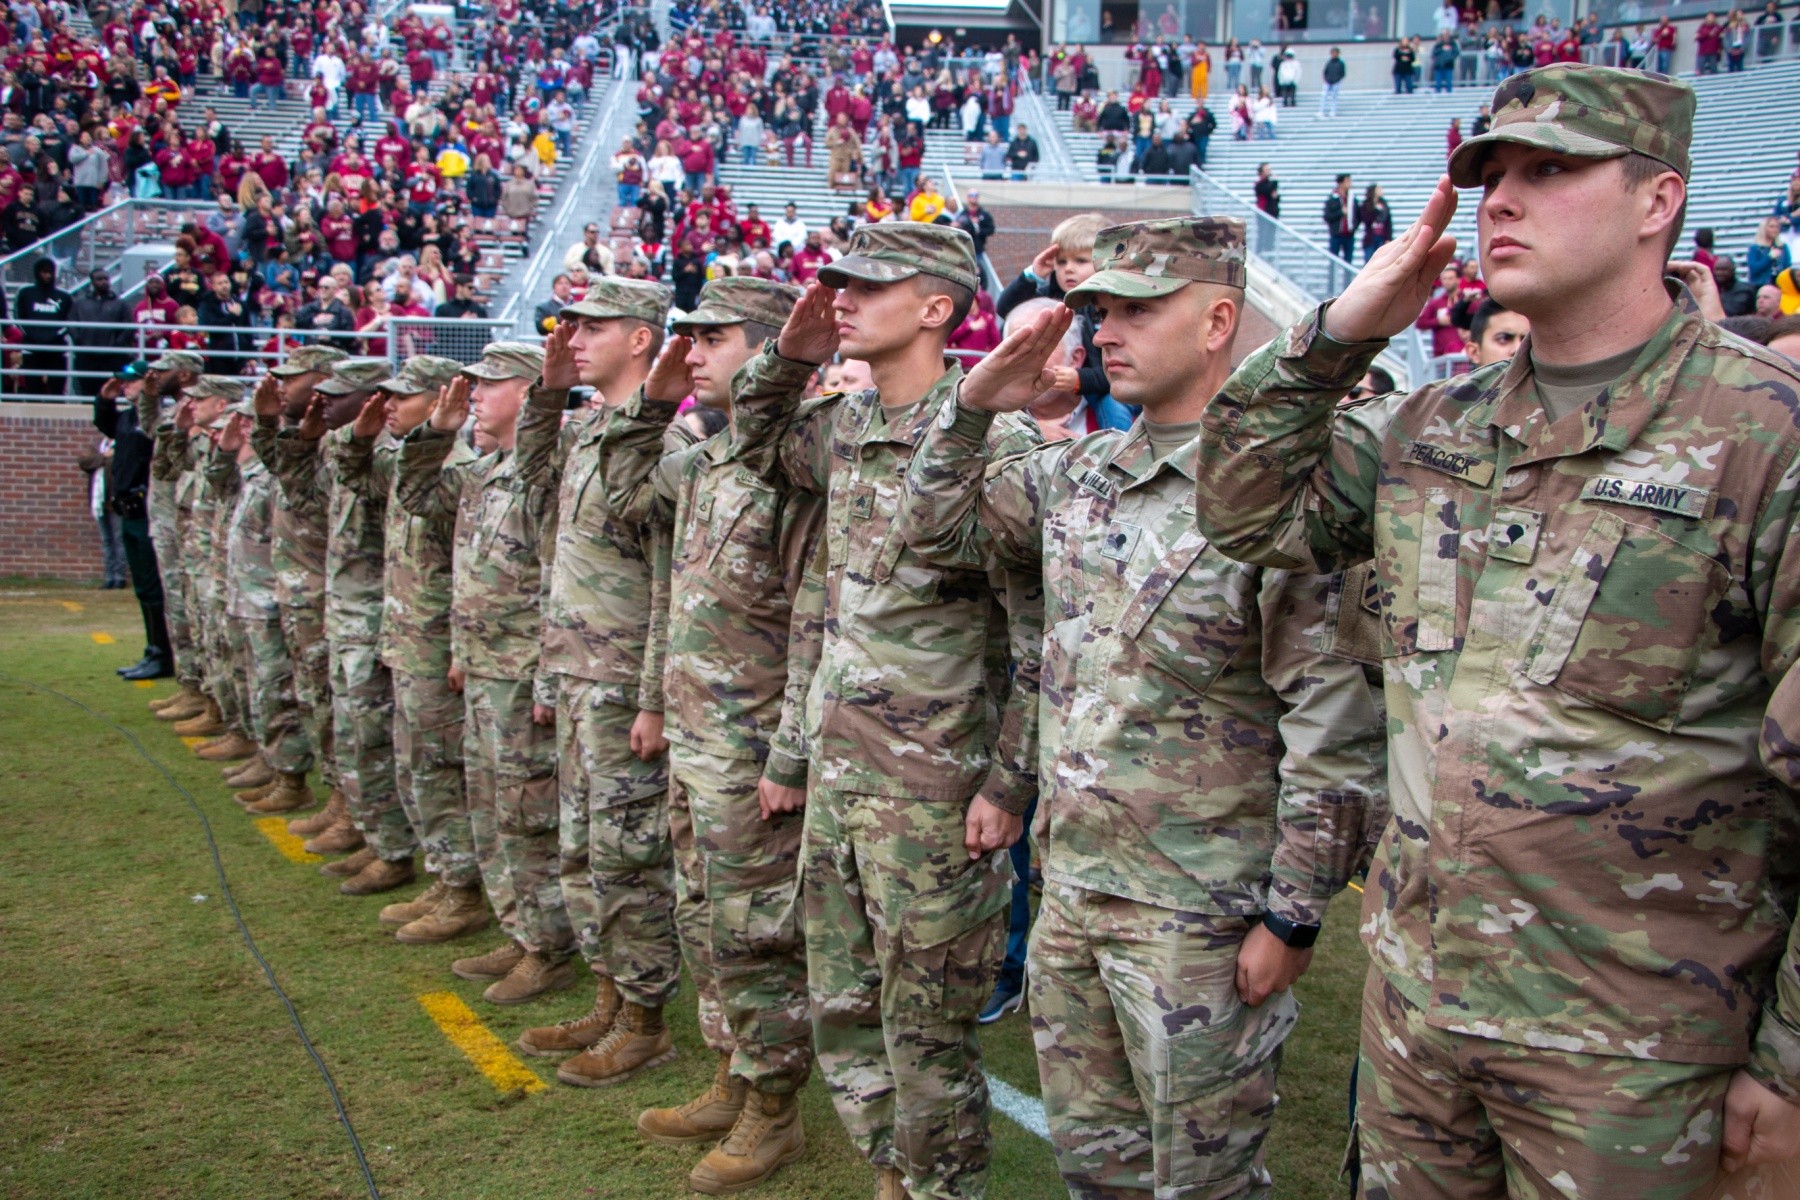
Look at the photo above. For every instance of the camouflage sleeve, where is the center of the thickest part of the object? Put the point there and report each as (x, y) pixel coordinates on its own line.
(1334, 761)
(539, 444)
(222, 474)
(960, 509)
(1286, 476)
(355, 459)
(547, 513)
(658, 542)
(428, 488)
(167, 454)
(789, 750)
(767, 413)
(297, 467)
(149, 413)
(632, 451)
(1775, 583)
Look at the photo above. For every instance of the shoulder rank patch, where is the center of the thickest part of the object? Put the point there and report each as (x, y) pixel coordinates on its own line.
(1679, 499)
(1093, 481)
(1469, 467)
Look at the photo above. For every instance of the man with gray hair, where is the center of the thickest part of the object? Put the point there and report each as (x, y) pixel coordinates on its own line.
(1062, 411)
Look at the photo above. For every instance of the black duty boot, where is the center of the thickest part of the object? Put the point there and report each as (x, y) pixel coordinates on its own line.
(156, 665)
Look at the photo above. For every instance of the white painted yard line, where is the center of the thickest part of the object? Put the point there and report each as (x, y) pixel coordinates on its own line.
(1027, 1112)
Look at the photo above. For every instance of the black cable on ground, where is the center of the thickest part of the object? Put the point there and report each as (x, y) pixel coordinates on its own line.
(337, 1101)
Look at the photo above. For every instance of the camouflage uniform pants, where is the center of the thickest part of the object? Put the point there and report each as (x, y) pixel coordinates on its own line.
(738, 912)
(234, 676)
(509, 773)
(1467, 1118)
(362, 718)
(174, 581)
(428, 773)
(618, 864)
(904, 938)
(212, 633)
(1157, 1080)
(303, 629)
(274, 713)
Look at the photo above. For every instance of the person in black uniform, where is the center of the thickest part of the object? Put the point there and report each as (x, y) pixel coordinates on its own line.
(44, 368)
(115, 416)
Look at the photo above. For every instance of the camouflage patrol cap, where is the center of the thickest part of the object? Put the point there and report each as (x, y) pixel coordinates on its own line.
(508, 360)
(1157, 258)
(609, 297)
(302, 359)
(1586, 112)
(737, 298)
(886, 253)
(179, 360)
(354, 375)
(422, 373)
(209, 386)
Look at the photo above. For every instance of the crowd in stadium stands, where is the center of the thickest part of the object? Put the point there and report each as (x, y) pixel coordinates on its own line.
(404, 170)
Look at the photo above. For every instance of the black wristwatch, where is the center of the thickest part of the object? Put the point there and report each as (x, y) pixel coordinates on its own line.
(1297, 937)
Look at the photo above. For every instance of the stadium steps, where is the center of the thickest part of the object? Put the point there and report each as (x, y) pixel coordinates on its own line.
(1399, 142)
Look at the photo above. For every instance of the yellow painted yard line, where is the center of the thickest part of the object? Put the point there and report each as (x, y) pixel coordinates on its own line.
(102, 639)
(145, 683)
(292, 846)
(70, 605)
(191, 742)
(1357, 886)
(478, 1043)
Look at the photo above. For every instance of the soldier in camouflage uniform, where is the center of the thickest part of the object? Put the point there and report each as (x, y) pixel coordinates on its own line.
(297, 553)
(415, 647)
(165, 378)
(1581, 919)
(255, 614)
(741, 548)
(1209, 770)
(362, 695)
(921, 761)
(504, 530)
(179, 456)
(224, 636)
(603, 642)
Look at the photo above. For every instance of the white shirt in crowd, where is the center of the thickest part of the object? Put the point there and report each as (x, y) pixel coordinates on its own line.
(329, 68)
(792, 232)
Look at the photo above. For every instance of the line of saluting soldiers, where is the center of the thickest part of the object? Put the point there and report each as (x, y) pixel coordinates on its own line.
(874, 626)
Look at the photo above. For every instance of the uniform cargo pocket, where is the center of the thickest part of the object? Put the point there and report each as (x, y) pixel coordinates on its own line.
(1215, 1090)
(1188, 621)
(754, 904)
(951, 941)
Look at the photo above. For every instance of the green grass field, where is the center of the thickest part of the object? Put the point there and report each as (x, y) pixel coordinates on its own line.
(143, 1054)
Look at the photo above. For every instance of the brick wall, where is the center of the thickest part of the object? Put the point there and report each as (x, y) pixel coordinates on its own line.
(1020, 231)
(46, 528)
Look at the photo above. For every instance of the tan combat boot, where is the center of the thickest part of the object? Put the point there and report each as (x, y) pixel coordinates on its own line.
(462, 910)
(230, 748)
(188, 702)
(324, 819)
(249, 796)
(531, 977)
(252, 774)
(637, 1041)
(340, 837)
(577, 1033)
(287, 793)
(495, 964)
(766, 1137)
(207, 723)
(345, 868)
(706, 1118)
(379, 876)
(404, 912)
(890, 1184)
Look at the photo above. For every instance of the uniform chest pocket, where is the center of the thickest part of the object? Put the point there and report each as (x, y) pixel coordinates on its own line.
(1188, 621)
(1416, 573)
(1629, 622)
(738, 541)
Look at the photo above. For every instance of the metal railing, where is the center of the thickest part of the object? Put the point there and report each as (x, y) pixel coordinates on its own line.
(1301, 264)
(463, 339)
(100, 238)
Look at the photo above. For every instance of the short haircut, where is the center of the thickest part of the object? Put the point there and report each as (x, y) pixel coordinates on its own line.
(1076, 234)
(962, 299)
(1640, 169)
(1382, 379)
(1782, 327)
(756, 333)
(1484, 312)
(1752, 328)
(657, 333)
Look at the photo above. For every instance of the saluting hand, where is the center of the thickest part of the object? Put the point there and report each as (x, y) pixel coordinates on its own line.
(266, 400)
(184, 416)
(810, 334)
(671, 380)
(1015, 373)
(560, 372)
(312, 421)
(235, 433)
(1387, 294)
(373, 417)
(451, 412)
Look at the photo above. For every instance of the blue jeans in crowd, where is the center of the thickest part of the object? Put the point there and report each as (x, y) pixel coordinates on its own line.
(1018, 920)
(629, 194)
(265, 91)
(750, 154)
(1443, 79)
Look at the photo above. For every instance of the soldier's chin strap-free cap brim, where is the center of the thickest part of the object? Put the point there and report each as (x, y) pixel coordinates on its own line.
(1467, 160)
(1176, 273)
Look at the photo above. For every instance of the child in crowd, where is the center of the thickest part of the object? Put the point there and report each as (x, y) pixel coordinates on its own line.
(1063, 265)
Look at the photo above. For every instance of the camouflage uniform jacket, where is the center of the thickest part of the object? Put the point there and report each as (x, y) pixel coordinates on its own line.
(308, 473)
(203, 504)
(297, 527)
(599, 610)
(912, 696)
(741, 545)
(1588, 634)
(416, 572)
(249, 563)
(1201, 751)
(505, 528)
